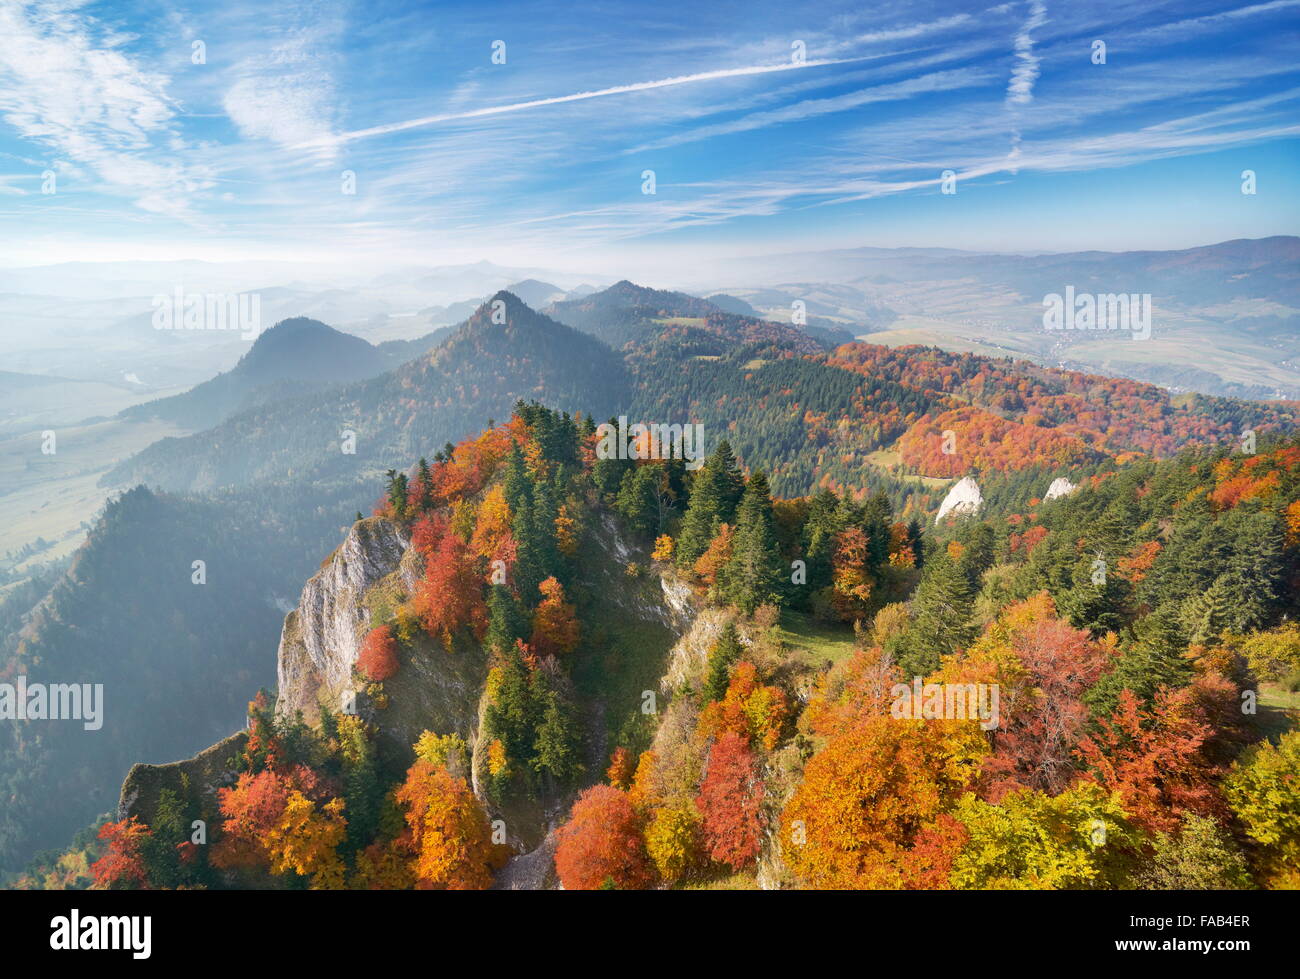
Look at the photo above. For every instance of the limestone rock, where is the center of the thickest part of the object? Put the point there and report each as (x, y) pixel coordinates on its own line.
(963, 499)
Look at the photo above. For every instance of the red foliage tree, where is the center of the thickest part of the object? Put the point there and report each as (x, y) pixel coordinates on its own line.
(729, 802)
(1044, 716)
(122, 865)
(426, 532)
(450, 595)
(378, 658)
(600, 847)
(927, 865)
(1157, 764)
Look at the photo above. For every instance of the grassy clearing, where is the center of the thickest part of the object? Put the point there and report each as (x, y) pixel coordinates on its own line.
(814, 642)
(681, 321)
(1279, 711)
(888, 459)
(744, 881)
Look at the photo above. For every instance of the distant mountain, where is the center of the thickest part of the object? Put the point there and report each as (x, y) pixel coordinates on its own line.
(730, 304)
(1226, 316)
(479, 372)
(627, 313)
(293, 357)
(536, 294)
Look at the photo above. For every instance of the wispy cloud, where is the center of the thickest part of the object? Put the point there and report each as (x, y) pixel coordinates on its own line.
(939, 81)
(286, 93)
(1020, 90)
(703, 76)
(67, 85)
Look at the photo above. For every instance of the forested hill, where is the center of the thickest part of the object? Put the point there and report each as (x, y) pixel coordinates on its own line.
(856, 417)
(1132, 628)
(177, 646)
(629, 316)
(296, 356)
(499, 355)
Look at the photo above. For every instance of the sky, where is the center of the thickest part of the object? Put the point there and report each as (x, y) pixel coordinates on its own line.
(524, 133)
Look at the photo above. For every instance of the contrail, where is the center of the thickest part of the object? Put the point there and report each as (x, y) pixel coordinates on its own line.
(396, 127)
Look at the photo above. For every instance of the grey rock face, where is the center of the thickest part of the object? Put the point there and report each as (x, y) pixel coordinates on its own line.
(322, 637)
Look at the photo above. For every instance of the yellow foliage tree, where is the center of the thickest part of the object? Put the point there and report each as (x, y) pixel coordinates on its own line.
(672, 839)
(448, 830)
(663, 548)
(493, 525)
(305, 841)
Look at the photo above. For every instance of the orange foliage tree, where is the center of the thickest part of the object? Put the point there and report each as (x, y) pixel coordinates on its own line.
(555, 623)
(601, 847)
(749, 709)
(856, 820)
(448, 830)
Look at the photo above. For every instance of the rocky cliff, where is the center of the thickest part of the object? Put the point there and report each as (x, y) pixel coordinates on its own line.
(322, 637)
(1060, 487)
(963, 499)
(645, 630)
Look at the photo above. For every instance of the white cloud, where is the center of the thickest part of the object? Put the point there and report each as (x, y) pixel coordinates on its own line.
(66, 84)
(703, 76)
(287, 94)
(1020, 90)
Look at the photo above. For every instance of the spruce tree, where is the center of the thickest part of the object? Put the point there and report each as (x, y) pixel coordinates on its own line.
(1153, 658)
(941, 617)
(754, 575)
(819, 539)
(555, 746)
(512, 714)
(425, 483)
(506, 621)
(703, 515)
(639, 499)
(726, 652)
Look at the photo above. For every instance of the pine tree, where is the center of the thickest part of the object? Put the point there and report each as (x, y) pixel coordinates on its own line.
(941, 618)
(726, 652)
(397, 493)
(555, 747)
(424, 486)
(511, 716)
(915, 539)
(819, 532)
(1098, 605)
(607, 474)
(755, 574)
(1155, 657)
(639, 499)
(517, 485)
(506, 620)
(714, 493)
(361, 784)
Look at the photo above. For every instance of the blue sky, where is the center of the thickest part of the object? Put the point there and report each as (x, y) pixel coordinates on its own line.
(539, 160)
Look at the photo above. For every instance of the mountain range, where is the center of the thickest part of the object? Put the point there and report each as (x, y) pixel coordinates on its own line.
(284, 458)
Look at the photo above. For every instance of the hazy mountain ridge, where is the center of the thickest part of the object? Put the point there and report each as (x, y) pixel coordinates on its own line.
(479, 371)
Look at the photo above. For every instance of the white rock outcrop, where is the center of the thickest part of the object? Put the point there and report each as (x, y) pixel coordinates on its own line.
(964, 498)
(1060, 487)
(321, 638)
